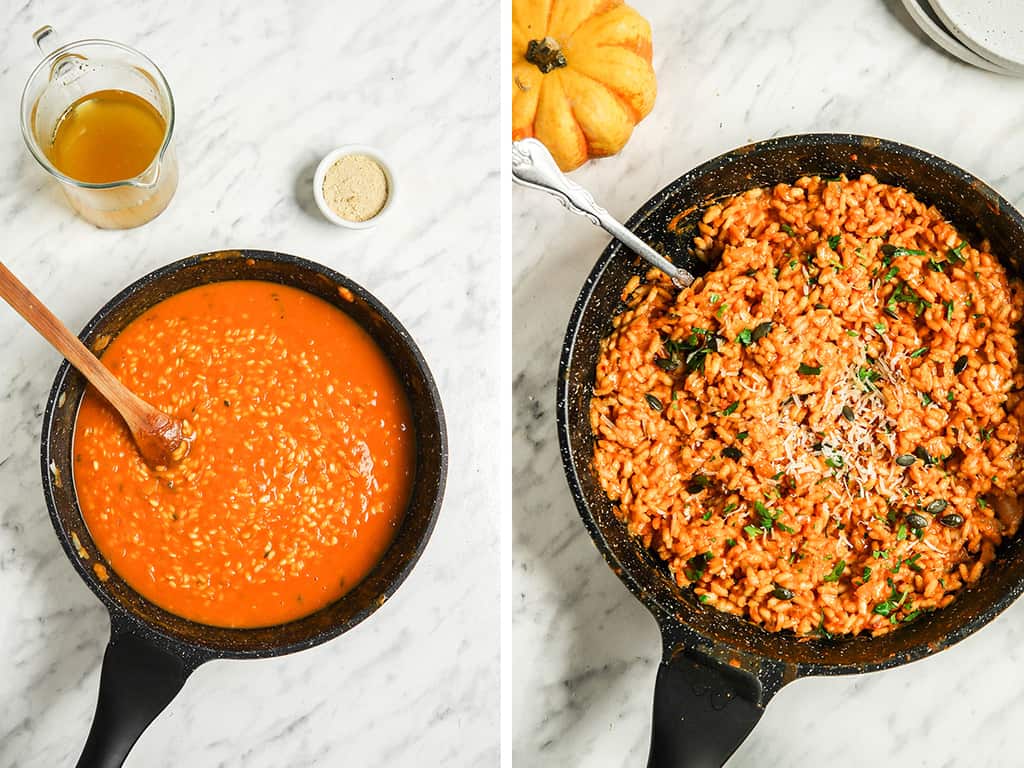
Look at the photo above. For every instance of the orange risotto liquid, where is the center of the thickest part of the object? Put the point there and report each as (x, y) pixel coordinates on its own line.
(300, 472)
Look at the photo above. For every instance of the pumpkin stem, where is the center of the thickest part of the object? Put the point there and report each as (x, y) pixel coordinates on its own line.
(545, 54)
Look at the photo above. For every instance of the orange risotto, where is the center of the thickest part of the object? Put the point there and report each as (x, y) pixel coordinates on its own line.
(300, 472)
(822, 433)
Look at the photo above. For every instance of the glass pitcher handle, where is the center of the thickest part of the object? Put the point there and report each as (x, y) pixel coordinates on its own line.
(46, 40)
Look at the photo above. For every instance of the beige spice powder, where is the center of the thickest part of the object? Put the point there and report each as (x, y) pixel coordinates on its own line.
(355, 187)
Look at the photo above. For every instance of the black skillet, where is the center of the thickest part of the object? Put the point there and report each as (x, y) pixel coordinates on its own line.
(718, 672)
(152, 652)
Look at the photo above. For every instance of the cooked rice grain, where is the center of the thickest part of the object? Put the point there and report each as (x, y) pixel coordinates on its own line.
(760, 460)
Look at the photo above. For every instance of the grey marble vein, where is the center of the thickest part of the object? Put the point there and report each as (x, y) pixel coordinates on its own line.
(263, 90)
(584, 653)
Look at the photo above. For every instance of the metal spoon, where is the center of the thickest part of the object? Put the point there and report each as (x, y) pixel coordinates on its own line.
(161, 439)
(533, 166)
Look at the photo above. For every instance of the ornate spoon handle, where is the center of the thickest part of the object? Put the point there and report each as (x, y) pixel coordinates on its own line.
(533, 166)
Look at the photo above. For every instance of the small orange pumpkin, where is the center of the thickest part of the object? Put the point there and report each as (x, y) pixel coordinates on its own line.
(581, 76)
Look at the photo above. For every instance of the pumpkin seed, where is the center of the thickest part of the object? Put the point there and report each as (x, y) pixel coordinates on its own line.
(960, 365)
(936, 507)
(654, 402)
(906, 459)
(782, 593)
(760, 331)
(916, 521)
(952, 520)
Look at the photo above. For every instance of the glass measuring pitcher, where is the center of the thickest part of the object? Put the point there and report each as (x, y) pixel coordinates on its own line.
(69, 74)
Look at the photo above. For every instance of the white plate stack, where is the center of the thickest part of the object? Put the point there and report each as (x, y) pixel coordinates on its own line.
(986, 33)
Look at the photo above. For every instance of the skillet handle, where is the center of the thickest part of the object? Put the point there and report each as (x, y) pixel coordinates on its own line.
(137, 681)
(702, 712)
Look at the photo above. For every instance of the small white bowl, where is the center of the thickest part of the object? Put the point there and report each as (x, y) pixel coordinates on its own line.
(328, 161)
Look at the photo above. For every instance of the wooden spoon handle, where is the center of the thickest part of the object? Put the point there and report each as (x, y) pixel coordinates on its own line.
(24, 302)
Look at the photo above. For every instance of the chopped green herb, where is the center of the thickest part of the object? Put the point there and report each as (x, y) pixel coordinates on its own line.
(904, 294)
(919, 352)
(833, 242)
(697, 564)
(912, 563)
(926, 399)
(741, 436)
(880, 554)
(985, 433)
(881, 327)
(821, 631)
(654, 402)
(730, 542)
(867, 574)
(689, 352)
(835, 461)
(868, 377)
(836, 572)
(955, 253)
(704, 598)
(981, 502)
(851, 333)
(753, 531)
(706, 515)
(728, 508)
(901, 534)
(732, 452)
(949, 311)
(714, 298)
(787, 229)
(721, 311)
(893, 604)
(821, 306)
(895, 251)
(809, 370)
(893, 271)
(731, 409)
(744, 337)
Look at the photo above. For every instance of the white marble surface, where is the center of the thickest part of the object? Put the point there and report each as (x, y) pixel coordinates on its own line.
(584, 653)
(263, 90)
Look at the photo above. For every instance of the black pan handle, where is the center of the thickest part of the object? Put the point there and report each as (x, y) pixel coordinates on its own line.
(137, 681)
(703, 710)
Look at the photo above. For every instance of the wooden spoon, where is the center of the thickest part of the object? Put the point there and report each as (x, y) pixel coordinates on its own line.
(161, 439)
